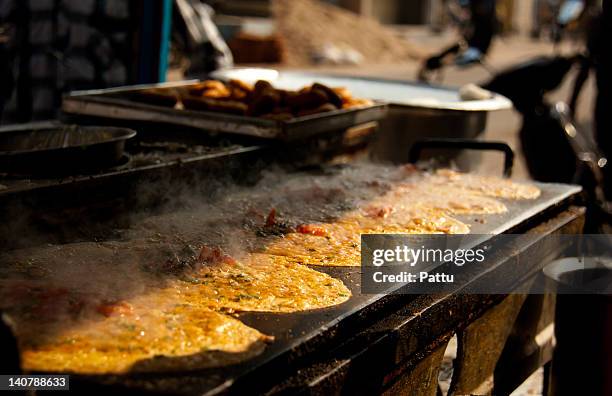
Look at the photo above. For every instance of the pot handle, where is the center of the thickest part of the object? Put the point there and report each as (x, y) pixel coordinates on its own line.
(463, 144)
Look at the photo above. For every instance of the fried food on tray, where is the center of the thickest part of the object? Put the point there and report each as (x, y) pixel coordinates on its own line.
(259, 100)
(241, 85)
(209, 89)
(263, 99)
(332, 96)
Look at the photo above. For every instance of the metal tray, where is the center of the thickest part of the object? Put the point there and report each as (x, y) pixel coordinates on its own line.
(117, 104)
(73, 148)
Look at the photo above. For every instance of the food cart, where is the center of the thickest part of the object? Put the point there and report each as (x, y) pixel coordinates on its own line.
(383, 343)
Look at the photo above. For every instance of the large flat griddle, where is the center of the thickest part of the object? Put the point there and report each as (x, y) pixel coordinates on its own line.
(298, 335)
(116, 103)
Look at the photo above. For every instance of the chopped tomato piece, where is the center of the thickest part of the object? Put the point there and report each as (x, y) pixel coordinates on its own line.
(311, 229)
(214, 255)
(120, 308)
(271, 219)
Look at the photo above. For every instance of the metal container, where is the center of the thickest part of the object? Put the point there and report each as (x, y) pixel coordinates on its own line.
(406, 125)
(118, 103)
(66, 148)
(584, 309)
(416, 111)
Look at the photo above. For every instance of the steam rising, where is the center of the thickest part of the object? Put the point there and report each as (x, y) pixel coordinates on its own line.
(65, 283)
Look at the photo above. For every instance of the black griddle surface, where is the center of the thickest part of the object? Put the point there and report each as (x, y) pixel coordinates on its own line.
(299, 334)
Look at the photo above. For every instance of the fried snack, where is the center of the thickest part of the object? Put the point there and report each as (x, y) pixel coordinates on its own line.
(209, 88)
(259, 283)
(308, 99)
(238, 94)
(339, 243)
(154, 336)
(420, 206)
(206, 277)
(263, 100)
(445, 198)
(217, 94)
(246, 87)
(344, 94)
(485, 185)
(348, 101)
(352, 103)
(333, 97)
(261, 86)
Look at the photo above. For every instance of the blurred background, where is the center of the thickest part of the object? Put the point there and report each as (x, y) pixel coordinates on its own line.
(52, 47)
